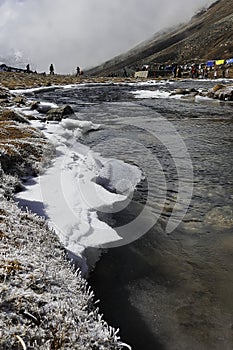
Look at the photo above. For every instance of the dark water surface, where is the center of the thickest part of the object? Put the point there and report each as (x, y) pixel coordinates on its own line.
(166, 291)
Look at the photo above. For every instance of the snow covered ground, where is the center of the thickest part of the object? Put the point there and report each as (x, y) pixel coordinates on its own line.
(77, 185)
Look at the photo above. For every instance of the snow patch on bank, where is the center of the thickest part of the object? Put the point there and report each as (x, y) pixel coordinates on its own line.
(77, 185)
(153, 94)
(36, 90)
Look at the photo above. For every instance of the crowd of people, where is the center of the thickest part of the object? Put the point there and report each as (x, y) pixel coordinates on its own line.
(193, 71)
(202, 71)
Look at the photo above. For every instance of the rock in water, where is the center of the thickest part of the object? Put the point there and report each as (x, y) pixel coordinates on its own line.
(57, 114)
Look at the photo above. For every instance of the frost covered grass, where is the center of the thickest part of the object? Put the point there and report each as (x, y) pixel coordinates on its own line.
(45, 303)
(22, 147)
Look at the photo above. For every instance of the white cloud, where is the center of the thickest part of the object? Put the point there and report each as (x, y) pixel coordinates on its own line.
(85, 32)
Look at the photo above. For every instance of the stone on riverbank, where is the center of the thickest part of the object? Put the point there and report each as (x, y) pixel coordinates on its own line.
(221, 92)
(57, 114)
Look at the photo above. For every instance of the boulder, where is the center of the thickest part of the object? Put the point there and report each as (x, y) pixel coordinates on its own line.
(221, 92)
(229, 94)
(224, 94)
(217, 87)
(211, 92)
(57, 114)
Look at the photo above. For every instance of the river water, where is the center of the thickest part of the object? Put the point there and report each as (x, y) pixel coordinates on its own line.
(168, 289)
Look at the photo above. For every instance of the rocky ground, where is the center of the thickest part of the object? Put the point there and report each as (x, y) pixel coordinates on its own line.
(44, 301)
(221, 92)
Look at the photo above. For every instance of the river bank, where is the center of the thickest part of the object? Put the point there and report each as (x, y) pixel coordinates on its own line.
(223, 89)
(45, 302)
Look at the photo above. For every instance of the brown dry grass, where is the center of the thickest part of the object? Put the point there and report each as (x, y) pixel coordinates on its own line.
(21, 146)
(23, 80)
(16, 139)
(10, 266)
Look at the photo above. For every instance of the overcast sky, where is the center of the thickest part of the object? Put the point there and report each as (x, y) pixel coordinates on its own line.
(71, 33)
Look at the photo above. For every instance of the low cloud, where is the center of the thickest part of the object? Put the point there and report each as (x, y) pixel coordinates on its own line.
(68, 33)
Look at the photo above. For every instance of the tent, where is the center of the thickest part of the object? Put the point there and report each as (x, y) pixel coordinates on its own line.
(210, 63)
(229, 61)
(219, 62)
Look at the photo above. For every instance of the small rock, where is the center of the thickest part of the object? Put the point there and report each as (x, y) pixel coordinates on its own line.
(34, 105)
(3, 95)
(19, 100)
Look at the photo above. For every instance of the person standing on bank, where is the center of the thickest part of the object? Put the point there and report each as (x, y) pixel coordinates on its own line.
(77, 71)
(51, 69)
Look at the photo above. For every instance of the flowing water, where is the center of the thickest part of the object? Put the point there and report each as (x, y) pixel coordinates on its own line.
(166, 290)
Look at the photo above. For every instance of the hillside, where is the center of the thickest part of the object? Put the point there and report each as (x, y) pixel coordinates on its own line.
(207, 36)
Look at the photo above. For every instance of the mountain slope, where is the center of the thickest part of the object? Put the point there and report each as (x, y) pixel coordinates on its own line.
(207, 36)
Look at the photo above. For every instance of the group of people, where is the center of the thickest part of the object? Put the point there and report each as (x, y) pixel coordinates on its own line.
(202, 72)
(51, 70)
(224, 73)
(177, 73)
(194, 71)
(198, 72)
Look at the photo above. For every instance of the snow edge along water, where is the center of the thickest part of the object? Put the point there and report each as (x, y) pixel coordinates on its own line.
(69, 191)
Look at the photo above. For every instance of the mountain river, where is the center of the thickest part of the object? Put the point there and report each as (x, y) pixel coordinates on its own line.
(172, 287)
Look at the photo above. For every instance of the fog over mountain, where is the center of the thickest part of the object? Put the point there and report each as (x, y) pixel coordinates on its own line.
(68, 33)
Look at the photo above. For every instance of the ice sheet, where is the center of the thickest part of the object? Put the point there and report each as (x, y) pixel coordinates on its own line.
(77, 185)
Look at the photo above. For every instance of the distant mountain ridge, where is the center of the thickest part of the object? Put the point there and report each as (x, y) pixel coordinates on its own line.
(14, 59)
(208, 35)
